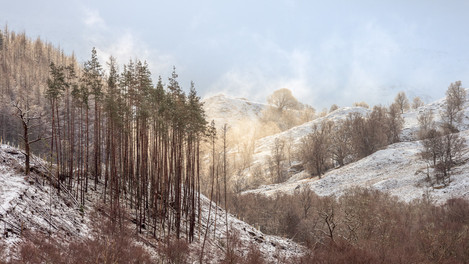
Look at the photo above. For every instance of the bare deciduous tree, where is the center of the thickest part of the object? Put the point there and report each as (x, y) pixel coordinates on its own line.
(29, 117)
(369, 134)
(341, 140)
(305, 195)
(277, 160)
(361, 104)
(417, 102)
(327, 212)
(402, 102)
(426, 123)
(315, 149)
(456, 95)
(432, 146)
(307, 114)
(283, 99)
(450, 156)
(455, 99)
(333, 108)
(444, 151)
(395, 123)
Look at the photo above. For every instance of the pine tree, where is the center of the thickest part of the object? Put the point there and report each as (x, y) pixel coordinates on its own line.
(56, 86)
(92, 79)
(112, 128)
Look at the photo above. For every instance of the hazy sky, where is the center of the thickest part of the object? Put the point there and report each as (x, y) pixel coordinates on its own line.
(324, 51)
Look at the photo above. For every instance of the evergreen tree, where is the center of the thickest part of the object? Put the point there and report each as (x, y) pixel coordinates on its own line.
(92, 79)
(56, 86)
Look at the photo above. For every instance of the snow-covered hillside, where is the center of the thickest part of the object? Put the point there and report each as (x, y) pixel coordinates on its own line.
(397, 169)
(223, 109)
(411, 125)
(291, 137)
(294, 135)
(28, 203)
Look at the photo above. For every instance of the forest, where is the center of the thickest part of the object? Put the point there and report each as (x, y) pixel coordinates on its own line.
(141, 141)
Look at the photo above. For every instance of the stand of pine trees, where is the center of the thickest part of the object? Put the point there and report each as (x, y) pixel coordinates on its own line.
(140, 141)
(114, 132)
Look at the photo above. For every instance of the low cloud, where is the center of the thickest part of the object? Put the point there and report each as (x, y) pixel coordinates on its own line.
(370, 64)
(277, 68)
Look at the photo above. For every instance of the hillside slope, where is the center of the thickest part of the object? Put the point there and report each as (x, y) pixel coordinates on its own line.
(30, 204)
(223, 109)
(397, 169)
(294, 135)
(411, 126)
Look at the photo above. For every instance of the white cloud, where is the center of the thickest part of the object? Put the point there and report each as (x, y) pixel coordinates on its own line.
(127, 46)
(122, 44)
(93, 19)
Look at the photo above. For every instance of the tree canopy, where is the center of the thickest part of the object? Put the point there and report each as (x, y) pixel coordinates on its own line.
(283, 99)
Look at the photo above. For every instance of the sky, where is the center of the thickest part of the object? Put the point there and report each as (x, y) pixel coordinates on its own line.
(325, 52)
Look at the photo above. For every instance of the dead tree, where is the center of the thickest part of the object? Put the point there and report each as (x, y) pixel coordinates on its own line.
(27, 117)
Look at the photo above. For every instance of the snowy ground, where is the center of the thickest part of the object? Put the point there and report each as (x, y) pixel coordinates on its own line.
(28, 204)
